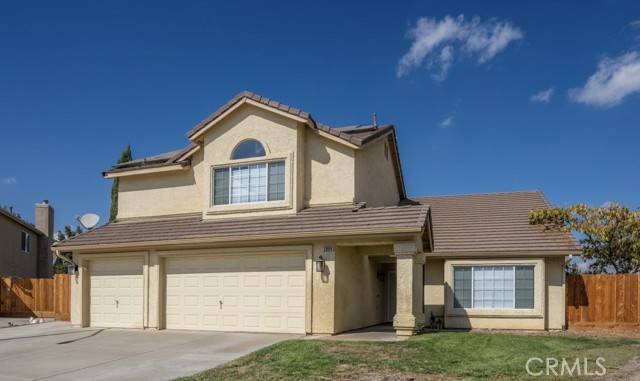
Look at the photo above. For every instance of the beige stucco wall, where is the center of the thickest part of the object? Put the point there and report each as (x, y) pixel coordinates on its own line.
(556, 304)
(278, 134)
(359, 294)
(433, 288)
(323, 292)
(375, 180)
(14, 262)
(549, 311)
(330, 171)
(347, 295)
(319, 170)
(162, 193)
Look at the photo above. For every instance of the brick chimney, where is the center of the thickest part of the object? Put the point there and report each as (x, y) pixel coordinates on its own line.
(44, 218)
(44, 223)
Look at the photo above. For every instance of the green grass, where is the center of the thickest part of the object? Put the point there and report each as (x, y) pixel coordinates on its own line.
(447, 355)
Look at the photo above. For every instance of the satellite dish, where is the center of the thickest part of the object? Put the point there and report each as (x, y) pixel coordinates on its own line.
(89, 220)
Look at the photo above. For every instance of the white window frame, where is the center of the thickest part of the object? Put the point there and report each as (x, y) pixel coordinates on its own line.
(230, 169)
(513, 290)
(27, 241)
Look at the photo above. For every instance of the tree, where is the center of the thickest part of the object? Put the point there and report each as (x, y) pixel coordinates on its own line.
(125, 156)
(68, 232)
(78, 230)
(610, 235)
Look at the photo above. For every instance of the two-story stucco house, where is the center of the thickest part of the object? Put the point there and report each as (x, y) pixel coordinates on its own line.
(24, 247)
(269, 221)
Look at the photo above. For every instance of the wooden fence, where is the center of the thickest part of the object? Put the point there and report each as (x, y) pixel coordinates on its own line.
(41, 297)
(603, 301)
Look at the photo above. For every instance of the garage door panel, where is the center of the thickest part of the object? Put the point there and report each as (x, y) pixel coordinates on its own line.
(116, 293)
(254, 291)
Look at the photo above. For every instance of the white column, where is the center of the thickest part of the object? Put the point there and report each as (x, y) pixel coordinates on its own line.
(410, 300)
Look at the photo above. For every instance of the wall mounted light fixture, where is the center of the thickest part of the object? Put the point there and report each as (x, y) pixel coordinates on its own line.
(320, 264)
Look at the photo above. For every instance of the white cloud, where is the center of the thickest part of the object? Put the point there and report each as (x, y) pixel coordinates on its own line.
(436, 41)
(8, 180)
(543, 96)
(447, 122)
(615, 79)
(635, 24)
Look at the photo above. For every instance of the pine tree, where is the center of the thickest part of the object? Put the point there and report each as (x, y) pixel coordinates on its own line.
(78, 230)
(124, 157)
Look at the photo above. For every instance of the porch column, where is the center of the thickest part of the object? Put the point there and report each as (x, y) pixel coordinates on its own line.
(410, 300)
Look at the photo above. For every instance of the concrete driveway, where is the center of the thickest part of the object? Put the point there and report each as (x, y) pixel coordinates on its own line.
(57, 351)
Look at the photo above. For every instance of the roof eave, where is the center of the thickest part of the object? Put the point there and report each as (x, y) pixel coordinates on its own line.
(155, 168)
(506, 253)
(294, 236)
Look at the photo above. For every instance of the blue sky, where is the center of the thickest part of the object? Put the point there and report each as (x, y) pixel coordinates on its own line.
(79, 81)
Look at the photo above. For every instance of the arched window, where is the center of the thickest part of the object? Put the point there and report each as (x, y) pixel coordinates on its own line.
(248, 148)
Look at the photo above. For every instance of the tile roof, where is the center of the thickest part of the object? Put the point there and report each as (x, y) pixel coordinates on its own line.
(258, 98)
(492, 222)
(316, 222)
(358, 135)
(167, 158)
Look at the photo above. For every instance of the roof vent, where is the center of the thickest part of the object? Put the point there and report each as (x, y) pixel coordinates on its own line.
(374, 120)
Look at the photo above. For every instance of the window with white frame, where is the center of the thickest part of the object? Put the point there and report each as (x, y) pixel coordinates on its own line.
(25, 242)
(493, 287)
(238, 184)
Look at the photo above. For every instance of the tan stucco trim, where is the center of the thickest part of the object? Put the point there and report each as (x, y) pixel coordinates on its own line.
(539, 289)
(494, 254)
(259, 239)
(144, 171)
(239, 104)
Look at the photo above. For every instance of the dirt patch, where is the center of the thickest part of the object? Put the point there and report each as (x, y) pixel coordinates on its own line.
(629, 372)
(368, 352)
(387, 375)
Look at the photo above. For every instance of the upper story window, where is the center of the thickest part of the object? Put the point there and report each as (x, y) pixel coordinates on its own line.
(246, 183)
(25, 242)
(258, 182)
(248, 148)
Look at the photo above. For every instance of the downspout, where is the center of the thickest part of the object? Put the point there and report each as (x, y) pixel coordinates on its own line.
(66, 260)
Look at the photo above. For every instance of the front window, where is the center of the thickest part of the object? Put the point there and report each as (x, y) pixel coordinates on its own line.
(493, 287)
(25, 242)
(248, 183)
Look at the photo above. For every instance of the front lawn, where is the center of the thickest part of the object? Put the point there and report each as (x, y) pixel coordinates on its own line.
(445, 355)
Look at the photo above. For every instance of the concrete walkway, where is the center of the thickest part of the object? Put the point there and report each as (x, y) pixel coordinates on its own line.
(375, 333)
(57, 351)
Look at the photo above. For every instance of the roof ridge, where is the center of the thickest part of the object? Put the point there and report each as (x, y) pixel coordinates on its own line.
(480, 194)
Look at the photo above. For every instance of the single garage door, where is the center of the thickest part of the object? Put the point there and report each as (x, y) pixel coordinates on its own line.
(116, 293)
(252, 293)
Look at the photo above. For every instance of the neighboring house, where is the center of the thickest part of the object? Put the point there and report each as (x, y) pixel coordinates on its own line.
(269, 221)
(24, 248)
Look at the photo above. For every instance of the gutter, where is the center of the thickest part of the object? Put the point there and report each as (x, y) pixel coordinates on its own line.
(355, 234)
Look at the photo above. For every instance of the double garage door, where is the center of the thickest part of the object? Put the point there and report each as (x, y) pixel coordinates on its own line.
(252, 293)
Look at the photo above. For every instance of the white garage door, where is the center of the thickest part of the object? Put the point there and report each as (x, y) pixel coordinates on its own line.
(116, 293)
(252, 293)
